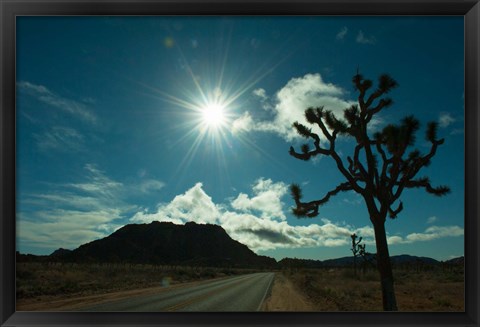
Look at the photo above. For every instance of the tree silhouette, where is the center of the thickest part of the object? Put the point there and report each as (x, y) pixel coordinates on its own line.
(380, 168)
(356, 249)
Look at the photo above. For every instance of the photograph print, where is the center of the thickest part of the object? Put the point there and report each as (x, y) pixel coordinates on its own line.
(240, 163)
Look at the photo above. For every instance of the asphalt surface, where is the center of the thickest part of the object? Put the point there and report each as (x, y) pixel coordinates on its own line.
(239, 293)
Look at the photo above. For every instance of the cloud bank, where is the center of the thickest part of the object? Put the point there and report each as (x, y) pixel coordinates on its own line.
(259, 221)
(76, 213)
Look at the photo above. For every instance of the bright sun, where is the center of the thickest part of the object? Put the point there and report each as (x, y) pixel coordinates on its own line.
(213, 115)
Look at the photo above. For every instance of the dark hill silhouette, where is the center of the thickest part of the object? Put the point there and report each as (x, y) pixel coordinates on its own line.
(348, 261)
(60, 252)
(168, 243)
(456, 261)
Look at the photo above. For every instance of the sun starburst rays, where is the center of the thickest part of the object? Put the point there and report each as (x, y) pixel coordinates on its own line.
(203, 110)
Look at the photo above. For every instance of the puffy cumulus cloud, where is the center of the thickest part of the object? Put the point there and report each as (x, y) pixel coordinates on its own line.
(146, 217)
(290, 102)
(194, 205)
(264, 234)
(243, 124)
(258, 233)
(266, 199)
(431, 233)
(258, 220)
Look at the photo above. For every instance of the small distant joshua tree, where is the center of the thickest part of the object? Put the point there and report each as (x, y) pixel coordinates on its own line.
(356, 249)
(379, 169)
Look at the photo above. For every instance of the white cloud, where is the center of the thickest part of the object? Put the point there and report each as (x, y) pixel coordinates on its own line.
(261, 93)
(266, 200)
(98, 184)
(194, 205)
(445, 120)
(49, 235)
(361, 38)
(43, 94)
(290, 103)
(431, 233)
(243, 123)
(268, 230)
(431, 220)
(151, 185)
(341, 34)
(67, 228)
(457, 131)
(60, 138)
(94, 208)
(72, 214)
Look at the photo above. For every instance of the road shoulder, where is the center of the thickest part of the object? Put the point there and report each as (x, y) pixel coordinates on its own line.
(285, 297)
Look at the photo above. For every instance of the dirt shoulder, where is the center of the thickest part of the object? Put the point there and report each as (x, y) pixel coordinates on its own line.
(285, 297)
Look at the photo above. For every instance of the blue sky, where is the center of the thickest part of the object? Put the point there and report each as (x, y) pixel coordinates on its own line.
(134, 119)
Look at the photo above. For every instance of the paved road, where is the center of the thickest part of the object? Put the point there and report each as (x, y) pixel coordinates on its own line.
(239, 293)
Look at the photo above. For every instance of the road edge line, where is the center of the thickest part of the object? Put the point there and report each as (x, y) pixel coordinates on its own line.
(266, 292)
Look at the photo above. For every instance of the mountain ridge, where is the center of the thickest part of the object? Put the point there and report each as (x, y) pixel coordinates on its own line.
(193, 244)
(168, 243)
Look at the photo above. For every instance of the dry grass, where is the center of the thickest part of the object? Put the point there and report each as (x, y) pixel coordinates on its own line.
(39, 280)
(333, 289)
(340, 290)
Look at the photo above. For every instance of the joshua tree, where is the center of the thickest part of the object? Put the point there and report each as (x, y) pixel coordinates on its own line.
(356, 249)
(380, 168)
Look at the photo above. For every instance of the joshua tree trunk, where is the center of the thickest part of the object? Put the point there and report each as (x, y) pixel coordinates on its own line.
(385, 268)
(355, 265)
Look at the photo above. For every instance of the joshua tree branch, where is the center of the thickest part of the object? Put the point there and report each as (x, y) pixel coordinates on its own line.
(310, 209)
(307, 156)
(316, 115)
(407, 179)
(351, 179)
(425, 183)
(356, 164)
(393, 213)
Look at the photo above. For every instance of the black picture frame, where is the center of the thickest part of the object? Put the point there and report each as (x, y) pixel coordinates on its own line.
(9, 9)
